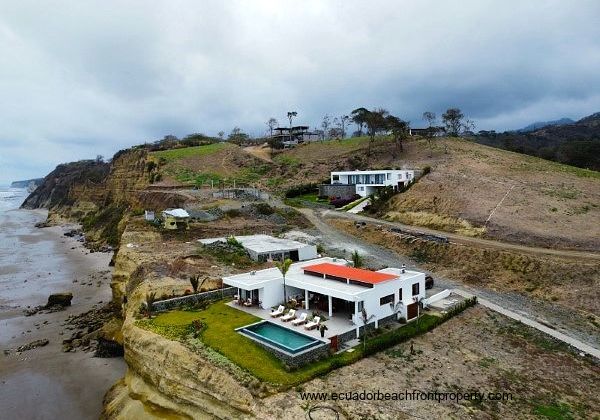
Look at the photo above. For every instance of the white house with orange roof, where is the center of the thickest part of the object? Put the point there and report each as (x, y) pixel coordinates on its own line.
(333, 286)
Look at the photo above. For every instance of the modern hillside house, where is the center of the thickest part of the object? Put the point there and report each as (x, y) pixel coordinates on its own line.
(332, 286)
(366, 183)
(268, 248)
(289, 137)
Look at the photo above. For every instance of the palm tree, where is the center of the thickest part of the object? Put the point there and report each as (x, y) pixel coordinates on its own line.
(195, 282)
(284, 267)
(291, 115)
(365, 319)
(150, 299)
(357, 259)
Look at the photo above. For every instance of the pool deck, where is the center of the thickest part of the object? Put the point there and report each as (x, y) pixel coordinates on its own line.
(336, 325)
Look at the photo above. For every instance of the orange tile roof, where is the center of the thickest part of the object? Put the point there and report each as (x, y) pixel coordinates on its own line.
(350, 273)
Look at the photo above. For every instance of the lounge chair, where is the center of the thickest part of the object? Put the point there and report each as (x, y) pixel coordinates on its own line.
(313, 324)
(300, 320)
(278, 312)
(289, 316)
(248, 302)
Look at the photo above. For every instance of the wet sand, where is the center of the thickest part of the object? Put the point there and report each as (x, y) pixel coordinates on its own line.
(45, 383)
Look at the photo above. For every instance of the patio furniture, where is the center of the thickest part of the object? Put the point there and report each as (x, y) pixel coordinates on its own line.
(300, 320)
(248, 302)
(278, 312)
(289, 316)
(313, 324)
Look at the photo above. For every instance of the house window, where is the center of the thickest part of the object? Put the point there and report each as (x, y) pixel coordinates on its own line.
(335, 177)
(386, 299)
(400, 294)
(389, 176)
(415, 289)
(361, 306)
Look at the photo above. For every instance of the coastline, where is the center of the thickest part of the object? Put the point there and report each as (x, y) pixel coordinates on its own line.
(45, 382)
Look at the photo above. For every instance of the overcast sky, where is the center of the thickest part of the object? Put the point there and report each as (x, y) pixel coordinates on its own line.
(81, 78)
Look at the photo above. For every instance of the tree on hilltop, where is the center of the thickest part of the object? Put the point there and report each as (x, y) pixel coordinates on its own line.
(272, 123)
(358, 118)
(455, 122)
(237, 136)
(399, 130)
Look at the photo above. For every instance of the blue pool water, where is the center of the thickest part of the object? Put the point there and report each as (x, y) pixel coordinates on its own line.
(284, 338)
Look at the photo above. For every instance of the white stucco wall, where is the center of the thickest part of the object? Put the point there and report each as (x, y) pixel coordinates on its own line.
(271, 295)
(307, 252)
(371, 301)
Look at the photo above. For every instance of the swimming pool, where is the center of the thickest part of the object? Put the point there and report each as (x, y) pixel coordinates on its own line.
(283, 338)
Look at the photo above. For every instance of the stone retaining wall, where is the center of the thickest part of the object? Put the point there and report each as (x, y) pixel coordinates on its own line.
(164, 305)
(297, 360)
(337, 190)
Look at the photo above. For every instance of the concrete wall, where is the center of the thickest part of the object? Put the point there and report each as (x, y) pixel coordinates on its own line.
(307, 253)
(297, 360)
(270, 295)
(371, 302)
(438, 296)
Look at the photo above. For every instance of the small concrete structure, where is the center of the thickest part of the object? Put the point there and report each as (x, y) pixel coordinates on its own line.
(149, 215)
(268, 248)
(174, 219)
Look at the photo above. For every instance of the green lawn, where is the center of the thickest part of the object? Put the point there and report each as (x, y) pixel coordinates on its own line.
(310, 197)
(175, 154)
(219, 333)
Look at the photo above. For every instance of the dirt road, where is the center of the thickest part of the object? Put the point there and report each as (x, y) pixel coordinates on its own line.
(452, 237)
(540, 312)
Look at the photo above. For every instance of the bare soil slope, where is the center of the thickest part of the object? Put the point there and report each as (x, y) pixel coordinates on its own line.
(476, 351)
(533, 201)
(530, 200)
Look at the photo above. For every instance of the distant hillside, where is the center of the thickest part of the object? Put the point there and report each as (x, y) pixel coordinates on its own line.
(549, 204)
(543, 124)
(546, 203)
(576, 144)
(24, 184)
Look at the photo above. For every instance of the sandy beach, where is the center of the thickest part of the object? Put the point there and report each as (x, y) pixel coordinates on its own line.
(45, 382)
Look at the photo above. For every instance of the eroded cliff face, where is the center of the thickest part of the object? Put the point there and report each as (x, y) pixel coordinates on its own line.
(164, 379)
(101, 195)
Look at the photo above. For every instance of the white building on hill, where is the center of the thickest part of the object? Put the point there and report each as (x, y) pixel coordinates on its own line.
(341, 291)
(366, 182)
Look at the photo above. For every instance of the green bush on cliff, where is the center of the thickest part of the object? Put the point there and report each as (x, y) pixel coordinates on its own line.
(106, 221)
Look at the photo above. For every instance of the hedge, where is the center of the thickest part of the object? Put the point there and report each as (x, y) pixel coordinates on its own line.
(424, 324)
(301, 190)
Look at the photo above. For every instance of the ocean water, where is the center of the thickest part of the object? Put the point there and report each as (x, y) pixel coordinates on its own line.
(11, 198)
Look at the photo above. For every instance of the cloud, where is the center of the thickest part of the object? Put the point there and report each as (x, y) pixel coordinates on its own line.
(86, 78)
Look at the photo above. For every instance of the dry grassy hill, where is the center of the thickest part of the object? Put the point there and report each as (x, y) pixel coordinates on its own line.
(532, 200)
(545, 203)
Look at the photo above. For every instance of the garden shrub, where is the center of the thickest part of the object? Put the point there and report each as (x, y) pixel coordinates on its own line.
(301, 190)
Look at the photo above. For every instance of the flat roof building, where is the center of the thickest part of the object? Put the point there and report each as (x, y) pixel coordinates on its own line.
(366, 183)
(268, 248)
(331, 285)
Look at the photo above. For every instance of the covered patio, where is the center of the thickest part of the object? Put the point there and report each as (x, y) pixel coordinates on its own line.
(336, 325)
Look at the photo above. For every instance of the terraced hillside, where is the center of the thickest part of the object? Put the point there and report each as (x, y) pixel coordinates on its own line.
(214, 163)
(526, 199)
